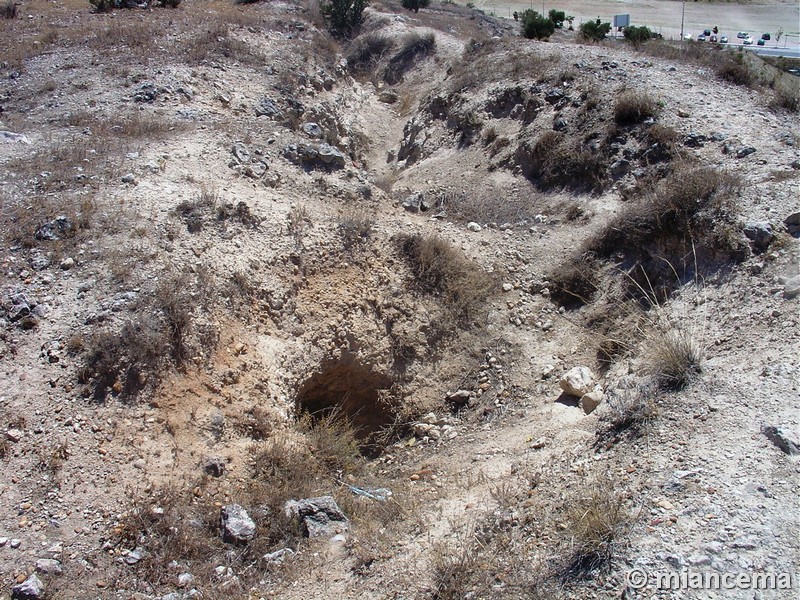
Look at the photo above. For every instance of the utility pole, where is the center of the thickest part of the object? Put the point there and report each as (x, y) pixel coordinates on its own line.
(683, 13)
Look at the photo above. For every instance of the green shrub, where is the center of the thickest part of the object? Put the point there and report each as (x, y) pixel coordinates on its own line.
(637, 35)
(536, 26)
(415, 5)
(344, 16)
(557, 17)
(595, 30)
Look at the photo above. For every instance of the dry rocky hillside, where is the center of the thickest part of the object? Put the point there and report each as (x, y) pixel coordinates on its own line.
(435, 311)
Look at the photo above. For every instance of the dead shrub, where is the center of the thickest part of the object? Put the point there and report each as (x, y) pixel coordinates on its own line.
(8, 9)
(413, 47)
(634, 107)
(443, 271)
(298, 222)
(557, 161)
(593, 523)
(333, 442)
(783, 100)
(355, 228)
(632, 410)
(366, 52)
(454, 570)
(195, 212)
(574, 283)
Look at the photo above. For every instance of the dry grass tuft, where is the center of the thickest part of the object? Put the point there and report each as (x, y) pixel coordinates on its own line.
(594, 521)
(634, 107)
(675, 357)
(355, 229)
(8, 9)
(413, 47)
(443, 271)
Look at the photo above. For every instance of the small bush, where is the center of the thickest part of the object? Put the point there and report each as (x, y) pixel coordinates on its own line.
(594, 31)
(536, 26)
(574, 283)
(355, 229)
(637, 35)
(415, 5)
(735, 71)
(634, 107)
(333, 442)
(8, 9)
(557, 17)
(344, 16)
(558, 161)
(783, 100)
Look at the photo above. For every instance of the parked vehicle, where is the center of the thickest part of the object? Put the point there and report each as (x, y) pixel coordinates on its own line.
(688, 36)
(713, 38)
(723, 39)
(766, 37)
(707, 32)
(748, 41)
(742, 35)
(702, 38)
(761, 42)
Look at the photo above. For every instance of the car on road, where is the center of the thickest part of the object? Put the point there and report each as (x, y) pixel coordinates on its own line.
(748, 41)
(713, 38)
(742, 35)
(766, 37)
(760, 42)
(723, 39)
(702, 38)
(688, 36)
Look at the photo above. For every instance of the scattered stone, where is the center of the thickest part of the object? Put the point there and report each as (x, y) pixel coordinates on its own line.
(747, 151)
(214, 466)
(473, 226)
(54, 230)
(267, 107)
(548, 371)
(10, 136)
(129, 178)
(792, 223)
(67, 263)
(791, 287)
(277, 557)
(256, 170)
(590, 401)
(147, 92)
(185, 580)
(14, 435)
(241, 153)
(236, 524)
(30, 589)
(15, 543)
(49, 566)
(388, 97)
(786, 440)
(459, 398)
(578, 381)
(761, 234)
(416, 203)
(559, 124)
(507, 287)
(313, 130)
(315, 155)
(135, 556)
(620, 168)
(695, 140)
(3, 541)
(320, 516)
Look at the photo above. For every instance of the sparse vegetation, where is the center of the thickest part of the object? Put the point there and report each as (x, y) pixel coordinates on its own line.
(675, 356)
(8, 9)
(634, 107)
(367, 51)
(594, 521)
(413, 47)
(441, 270)
(355, 229)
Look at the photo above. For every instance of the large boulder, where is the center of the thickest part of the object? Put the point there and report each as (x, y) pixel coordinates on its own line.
(237, 526)
(320, 517)
(578, 381)
(315, 155)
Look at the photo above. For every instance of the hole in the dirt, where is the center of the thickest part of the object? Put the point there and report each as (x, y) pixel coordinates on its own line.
(352, 390)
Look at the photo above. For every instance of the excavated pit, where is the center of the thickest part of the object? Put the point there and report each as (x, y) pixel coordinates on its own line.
(350, 389)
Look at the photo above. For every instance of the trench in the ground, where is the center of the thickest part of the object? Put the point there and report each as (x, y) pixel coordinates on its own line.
(348, 389)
